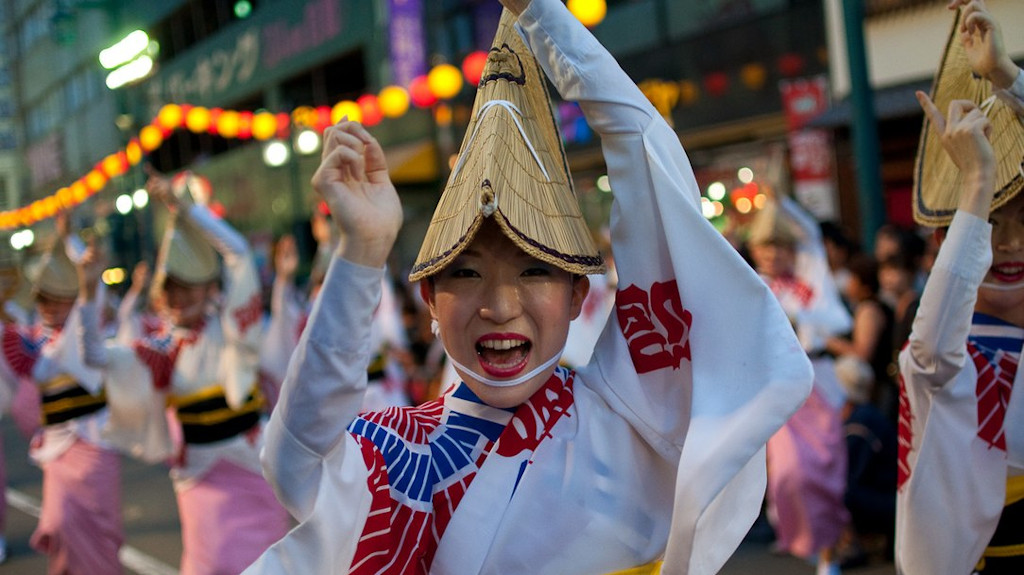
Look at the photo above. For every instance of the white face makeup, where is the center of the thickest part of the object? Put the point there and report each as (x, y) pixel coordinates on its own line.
(504, 316)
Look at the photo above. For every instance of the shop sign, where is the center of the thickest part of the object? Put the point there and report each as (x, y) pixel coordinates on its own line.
(279, 41)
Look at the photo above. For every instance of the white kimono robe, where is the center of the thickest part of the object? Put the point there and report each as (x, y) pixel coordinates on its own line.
(952, 472)
(220, 358)
(659, 453)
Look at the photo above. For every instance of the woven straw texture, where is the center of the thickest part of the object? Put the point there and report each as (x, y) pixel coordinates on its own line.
(527, 191)
(184, 255)
(937, 180)
(56, 275)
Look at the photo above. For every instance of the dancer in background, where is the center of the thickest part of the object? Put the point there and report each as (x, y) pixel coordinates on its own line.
(80, 527)
(807, 457)
(202, 361)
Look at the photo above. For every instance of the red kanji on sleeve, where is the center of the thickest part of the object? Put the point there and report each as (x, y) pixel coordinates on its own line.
(655, 324)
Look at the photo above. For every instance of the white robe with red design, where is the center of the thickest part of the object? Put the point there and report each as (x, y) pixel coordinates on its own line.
(662, 453)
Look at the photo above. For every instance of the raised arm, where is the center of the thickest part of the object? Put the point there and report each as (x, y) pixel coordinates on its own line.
(682, 291)
(326, 379)
(936, 349)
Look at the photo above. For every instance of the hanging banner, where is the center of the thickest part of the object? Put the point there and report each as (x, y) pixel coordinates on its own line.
(406, 42)
(810, 150)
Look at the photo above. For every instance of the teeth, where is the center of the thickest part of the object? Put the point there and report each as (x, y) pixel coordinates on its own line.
(501, 344)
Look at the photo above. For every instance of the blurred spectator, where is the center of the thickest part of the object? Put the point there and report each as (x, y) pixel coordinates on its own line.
(871, 336)
(839, 248)
(871, 470)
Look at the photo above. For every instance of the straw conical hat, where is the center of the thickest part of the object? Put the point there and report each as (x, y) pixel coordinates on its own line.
(55, 275)
(185, 255)
(937, 180)
(511, 167)
(772, 226)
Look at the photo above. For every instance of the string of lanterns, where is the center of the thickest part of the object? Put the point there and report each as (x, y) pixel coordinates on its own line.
(442, 82)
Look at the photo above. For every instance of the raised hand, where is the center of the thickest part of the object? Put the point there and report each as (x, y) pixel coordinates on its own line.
(286, 257)
(964, 134)
(353, 180)
(159, 187)
(983, 43)
(90, 268)
(140, 277)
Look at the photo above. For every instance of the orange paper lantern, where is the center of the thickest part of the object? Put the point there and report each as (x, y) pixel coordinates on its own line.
(170, 116)
(228, 124)
(420, 93)
(589, 12)
(753, 76)
(473, 66)
(133, 152)
(198, 120)
(94, 181)
(79, 192)
(264, 126)
(346, 108)
(64, 197)
(445, 81)
(688, 92)
(114, 165)
(150, 138)
(394, 101)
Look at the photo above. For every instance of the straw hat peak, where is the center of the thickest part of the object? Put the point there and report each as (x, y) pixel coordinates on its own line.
(55, 275)
(937, 180)
(511, 167)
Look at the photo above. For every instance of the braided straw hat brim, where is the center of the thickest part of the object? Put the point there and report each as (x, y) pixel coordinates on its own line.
(511, 166)
(937, 180)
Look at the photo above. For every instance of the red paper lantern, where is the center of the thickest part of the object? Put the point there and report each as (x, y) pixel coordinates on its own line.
(245, 125)
(716, 83)
(791, 64)
(473, 66)
(420, 94)
(370, 106)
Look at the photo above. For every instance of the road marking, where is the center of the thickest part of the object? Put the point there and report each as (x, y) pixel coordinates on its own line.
(130, 557)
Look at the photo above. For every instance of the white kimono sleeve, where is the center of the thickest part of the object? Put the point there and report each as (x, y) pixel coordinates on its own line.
(952, 483)
(697, 353)
(242, 307)
(307, 438)
(137, 424)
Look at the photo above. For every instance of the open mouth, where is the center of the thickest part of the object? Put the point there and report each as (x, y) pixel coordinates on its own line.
(503, 355)
(1009, 272)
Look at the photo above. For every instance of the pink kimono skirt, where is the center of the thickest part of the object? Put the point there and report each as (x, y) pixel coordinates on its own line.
(228, 519)
(807, 479)
(80, 527)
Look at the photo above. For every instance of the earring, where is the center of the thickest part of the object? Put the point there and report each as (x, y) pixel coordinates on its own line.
(435, 328)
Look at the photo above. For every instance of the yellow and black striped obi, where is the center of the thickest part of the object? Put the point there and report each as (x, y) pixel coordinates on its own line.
(63, 399)
(1005, 552)
(205, 416)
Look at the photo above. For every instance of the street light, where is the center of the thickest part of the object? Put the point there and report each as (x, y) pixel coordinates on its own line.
(130, 59)
(276, 154)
